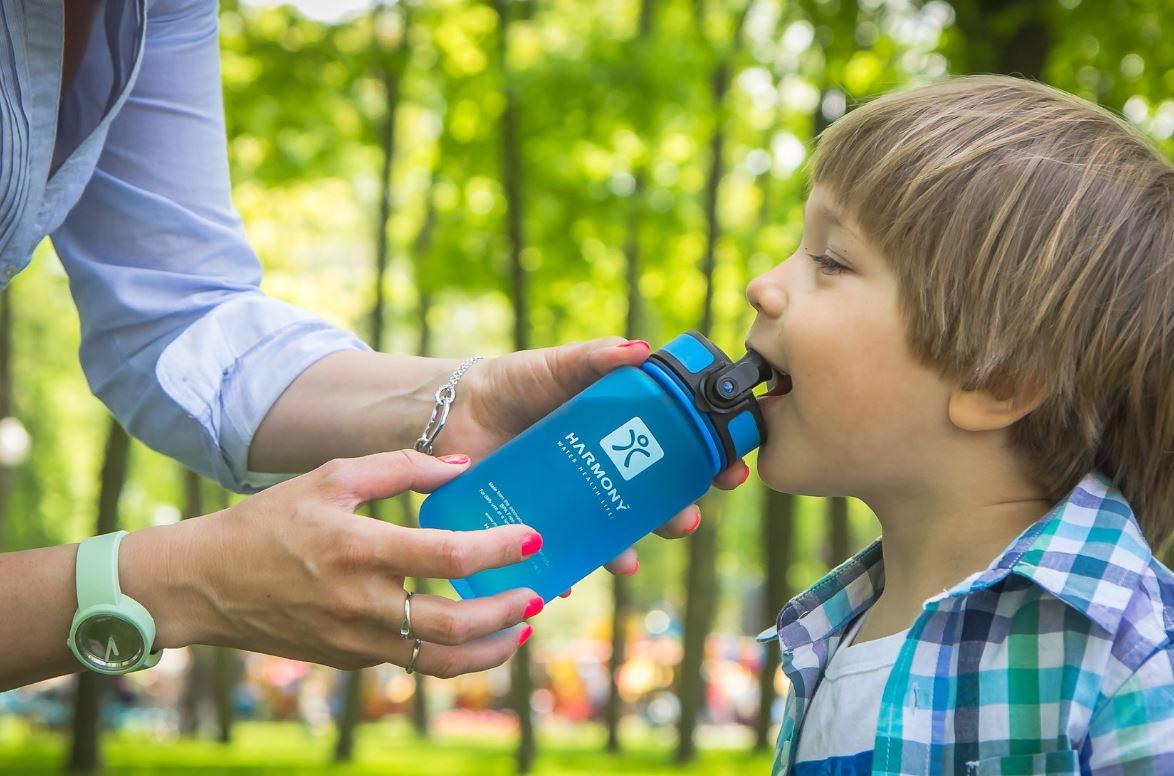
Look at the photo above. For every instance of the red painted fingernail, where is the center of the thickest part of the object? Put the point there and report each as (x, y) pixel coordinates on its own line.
(533, 607)
(745, 474)
(630, 343)
(531, 544)
(455, 458)
(696, 522)
(525, 635)
(565, 594)
(634, 569)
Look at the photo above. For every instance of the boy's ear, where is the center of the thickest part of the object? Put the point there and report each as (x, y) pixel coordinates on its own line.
(984, 410)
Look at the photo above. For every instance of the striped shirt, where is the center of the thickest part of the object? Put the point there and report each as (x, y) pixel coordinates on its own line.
(1055, 659)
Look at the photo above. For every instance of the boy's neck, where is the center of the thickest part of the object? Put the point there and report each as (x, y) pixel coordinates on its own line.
(934, 539)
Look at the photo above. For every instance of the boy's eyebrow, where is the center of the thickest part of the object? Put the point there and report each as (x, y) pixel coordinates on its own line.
(836, 217)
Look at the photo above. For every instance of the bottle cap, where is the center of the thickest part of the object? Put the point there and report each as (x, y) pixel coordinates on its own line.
(721, 389)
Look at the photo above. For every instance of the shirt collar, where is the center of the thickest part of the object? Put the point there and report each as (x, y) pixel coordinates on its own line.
(1088, 551)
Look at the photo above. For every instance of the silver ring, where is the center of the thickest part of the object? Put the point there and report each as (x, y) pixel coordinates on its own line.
(405, 626)
(411, 667)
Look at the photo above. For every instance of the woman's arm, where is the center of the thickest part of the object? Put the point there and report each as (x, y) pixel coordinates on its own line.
(39, 599)
(290, 572)
(177, 338)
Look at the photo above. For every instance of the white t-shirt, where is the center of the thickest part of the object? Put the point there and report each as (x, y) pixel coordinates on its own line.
(840, 726)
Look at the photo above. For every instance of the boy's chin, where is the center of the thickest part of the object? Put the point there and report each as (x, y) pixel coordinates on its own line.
(775, 476)
(779, 476)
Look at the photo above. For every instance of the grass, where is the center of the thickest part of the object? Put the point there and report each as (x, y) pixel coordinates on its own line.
(389, 749)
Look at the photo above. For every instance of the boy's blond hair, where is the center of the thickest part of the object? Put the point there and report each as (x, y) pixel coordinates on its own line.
(1032, 233)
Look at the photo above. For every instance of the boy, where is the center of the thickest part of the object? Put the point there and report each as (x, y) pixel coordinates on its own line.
(976, 338)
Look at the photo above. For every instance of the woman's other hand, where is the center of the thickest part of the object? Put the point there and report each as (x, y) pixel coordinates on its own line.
(293, 571)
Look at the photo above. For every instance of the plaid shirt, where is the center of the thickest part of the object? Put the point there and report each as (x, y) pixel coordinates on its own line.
(1055, 659)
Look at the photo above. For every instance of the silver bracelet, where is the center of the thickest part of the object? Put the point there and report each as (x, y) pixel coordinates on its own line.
(445, 396)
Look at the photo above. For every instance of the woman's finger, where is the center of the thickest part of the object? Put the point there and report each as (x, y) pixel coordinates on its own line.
(682, 524)
(732, 476)
(445, 662)
(350, 482)
(440, 620)
(624, 564)
(440, 554)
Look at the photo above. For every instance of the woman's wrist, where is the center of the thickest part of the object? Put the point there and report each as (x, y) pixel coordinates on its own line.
(407, 414)
(164, 569)
(458, 434)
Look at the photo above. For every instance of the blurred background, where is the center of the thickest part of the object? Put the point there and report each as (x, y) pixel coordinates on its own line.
(460, 177)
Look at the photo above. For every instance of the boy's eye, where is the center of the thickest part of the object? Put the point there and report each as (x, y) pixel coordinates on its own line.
(827, 265)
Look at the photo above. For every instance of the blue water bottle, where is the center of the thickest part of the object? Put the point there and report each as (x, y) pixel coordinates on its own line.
(608, 466)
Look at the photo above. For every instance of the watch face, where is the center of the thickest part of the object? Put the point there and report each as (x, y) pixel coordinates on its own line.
(109, 642)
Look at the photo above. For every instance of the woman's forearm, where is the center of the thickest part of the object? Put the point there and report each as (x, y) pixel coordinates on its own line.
(40, 599)
(348, 404)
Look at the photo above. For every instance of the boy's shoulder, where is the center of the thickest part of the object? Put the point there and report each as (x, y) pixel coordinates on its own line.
(1090, 553)
(1079, 592)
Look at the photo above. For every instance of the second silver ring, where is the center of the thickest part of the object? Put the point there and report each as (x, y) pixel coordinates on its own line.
(405, 626)
(411, 666)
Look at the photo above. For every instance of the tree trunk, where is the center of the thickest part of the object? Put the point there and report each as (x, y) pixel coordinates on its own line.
(226, 668)
(521, 679)
(390, 77)
(5, 398)
(224, 679)
(839, 531)
(420, 248)
(84, 755)
(620, 597)
(613, 710)
(352, 707)
(199, 676)
(512, 184)
(778, 531)
(701, 589)
(1003, 36)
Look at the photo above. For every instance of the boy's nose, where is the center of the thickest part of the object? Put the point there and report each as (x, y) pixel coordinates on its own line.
(766, 295)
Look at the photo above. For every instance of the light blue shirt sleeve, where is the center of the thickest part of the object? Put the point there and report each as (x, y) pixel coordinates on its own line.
(177, 338)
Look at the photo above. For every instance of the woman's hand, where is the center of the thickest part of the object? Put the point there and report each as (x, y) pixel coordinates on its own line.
(294, 572)
(501, 397)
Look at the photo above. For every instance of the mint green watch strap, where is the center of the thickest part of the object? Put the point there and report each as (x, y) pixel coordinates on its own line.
(97, 570)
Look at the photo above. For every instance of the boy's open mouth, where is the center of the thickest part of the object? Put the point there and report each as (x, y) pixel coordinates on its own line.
(779, 383)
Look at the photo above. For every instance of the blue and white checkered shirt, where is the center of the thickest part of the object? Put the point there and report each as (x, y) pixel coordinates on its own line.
(1055, 659)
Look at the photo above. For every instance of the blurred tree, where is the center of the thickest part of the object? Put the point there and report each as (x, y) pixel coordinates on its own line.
(211, 677)
(84, 755)
(390, 29)
(522, 684)
(418, 255)
(1001, 36)
(5, 400)
(632, 330)
(701, 593)
(778, 537)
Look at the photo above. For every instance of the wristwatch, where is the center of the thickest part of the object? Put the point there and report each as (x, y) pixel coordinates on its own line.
(111, 633)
